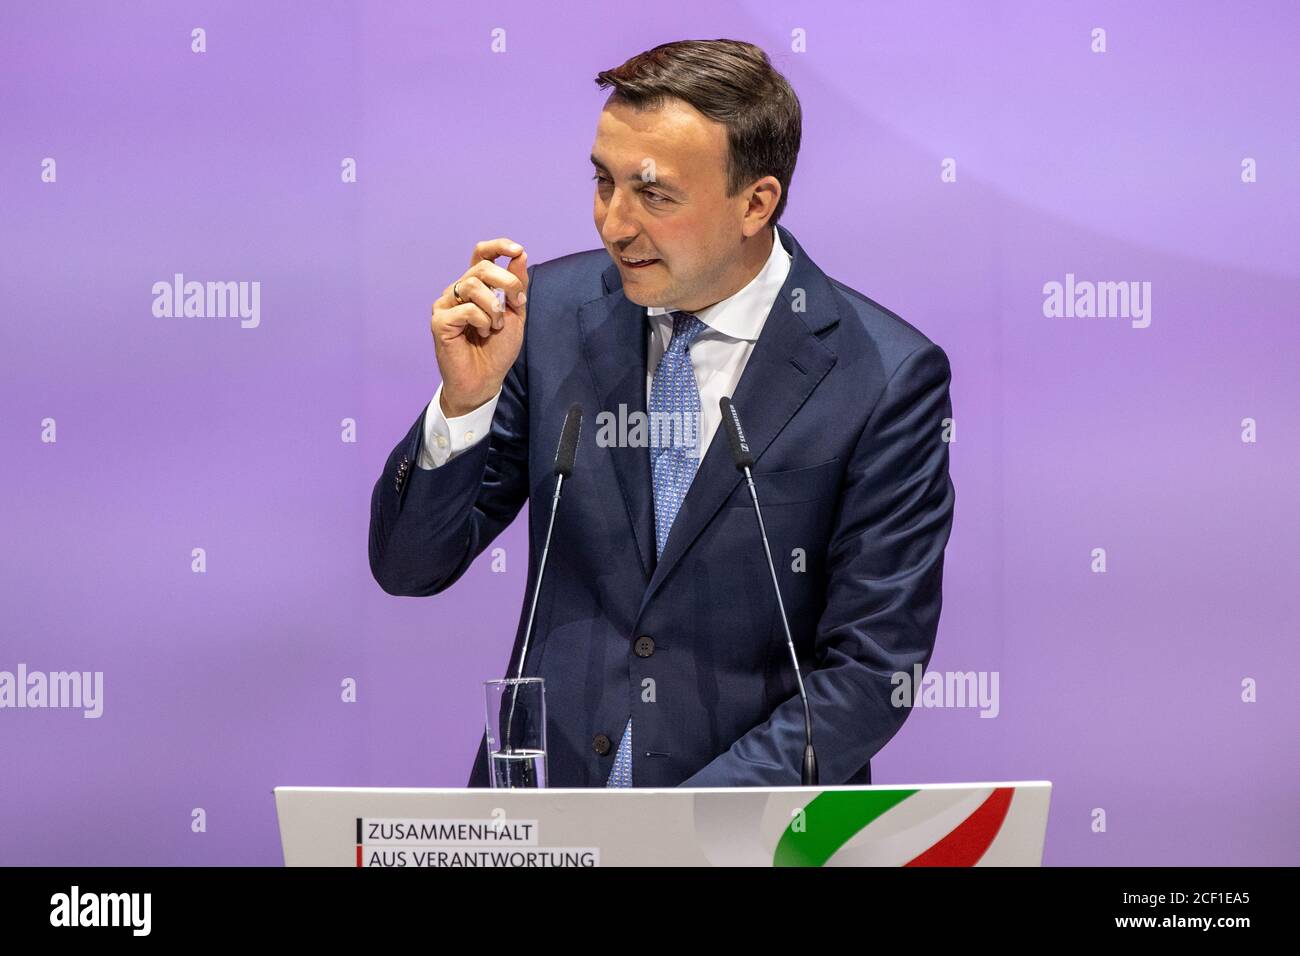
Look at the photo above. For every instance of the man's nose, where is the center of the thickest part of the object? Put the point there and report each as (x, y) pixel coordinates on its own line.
(617, 229)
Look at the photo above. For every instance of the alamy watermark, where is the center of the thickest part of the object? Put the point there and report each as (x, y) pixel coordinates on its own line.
(638, 429)
(210, 300)
(128, 910)
(1084, 299)
(946, 689)
(73, 689)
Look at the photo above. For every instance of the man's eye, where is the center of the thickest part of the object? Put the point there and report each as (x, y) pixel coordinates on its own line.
(655, 199)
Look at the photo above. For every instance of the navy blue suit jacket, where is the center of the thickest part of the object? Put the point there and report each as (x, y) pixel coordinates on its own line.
(844, 406)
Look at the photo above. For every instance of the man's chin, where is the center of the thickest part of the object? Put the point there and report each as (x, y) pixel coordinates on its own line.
(644, 293)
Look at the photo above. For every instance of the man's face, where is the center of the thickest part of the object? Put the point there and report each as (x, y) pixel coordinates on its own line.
(661, 195)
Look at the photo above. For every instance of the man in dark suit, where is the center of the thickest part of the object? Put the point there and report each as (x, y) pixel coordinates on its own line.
(657, 631)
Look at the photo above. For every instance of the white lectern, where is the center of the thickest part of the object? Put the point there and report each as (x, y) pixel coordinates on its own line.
(952, 824)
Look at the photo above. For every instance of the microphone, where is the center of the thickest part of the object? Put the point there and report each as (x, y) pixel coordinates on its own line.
(568, 450)
(564, 458)
(740, 453)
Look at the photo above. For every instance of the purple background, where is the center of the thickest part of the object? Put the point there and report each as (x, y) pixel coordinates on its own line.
(1122, 688)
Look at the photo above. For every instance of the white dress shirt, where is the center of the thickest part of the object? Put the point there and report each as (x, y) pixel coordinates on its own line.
(718, 355)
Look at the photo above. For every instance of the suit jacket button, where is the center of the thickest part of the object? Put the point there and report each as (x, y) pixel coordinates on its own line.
(644, 646)
(601, 744)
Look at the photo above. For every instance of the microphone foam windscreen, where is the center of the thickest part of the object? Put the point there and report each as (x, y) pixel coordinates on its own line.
(568, 450)
(735, 434)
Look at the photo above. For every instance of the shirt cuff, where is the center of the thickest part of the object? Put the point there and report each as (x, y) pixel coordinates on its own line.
(445, 438)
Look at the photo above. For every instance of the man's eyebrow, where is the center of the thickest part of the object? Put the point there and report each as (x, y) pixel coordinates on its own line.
(636, 177)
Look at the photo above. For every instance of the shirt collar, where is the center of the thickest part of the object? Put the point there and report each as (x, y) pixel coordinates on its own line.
(741, 316)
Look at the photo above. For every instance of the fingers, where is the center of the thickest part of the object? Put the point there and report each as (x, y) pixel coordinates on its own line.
(519, 269)
(482, 265)
(495, 248)
(478, 305)
(452, 316)
(473, 290)
(493, 276)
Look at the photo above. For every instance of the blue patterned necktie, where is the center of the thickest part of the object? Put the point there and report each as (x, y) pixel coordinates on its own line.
(674, 457)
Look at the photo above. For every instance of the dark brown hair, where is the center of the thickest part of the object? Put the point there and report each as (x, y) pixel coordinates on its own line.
(730, 82)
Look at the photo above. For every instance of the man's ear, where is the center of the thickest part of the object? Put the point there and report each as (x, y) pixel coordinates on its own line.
(764, 194)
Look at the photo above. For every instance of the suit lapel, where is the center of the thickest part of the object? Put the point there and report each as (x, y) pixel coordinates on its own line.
(613, 333)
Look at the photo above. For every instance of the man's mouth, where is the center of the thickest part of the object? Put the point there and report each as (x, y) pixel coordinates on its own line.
(632, 262)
